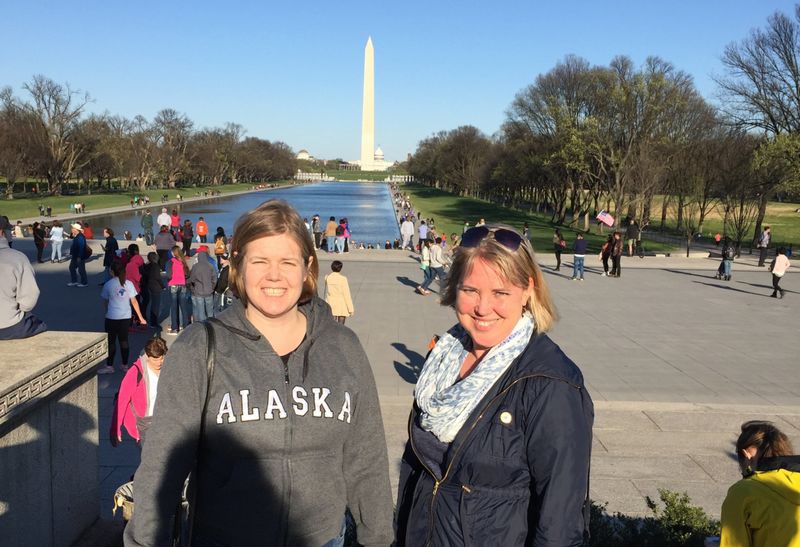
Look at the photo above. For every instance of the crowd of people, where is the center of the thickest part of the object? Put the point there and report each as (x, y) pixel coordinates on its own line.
(500, 431)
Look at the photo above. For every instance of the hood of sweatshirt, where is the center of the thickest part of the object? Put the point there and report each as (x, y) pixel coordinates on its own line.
(318, 320)
(782, 476)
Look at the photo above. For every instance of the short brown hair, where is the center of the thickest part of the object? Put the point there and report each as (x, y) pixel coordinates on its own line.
(767, 439)
(155, 347)
(517, 267)
(272, 218)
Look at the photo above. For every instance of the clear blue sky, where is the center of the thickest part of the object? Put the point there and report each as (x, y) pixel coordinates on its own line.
(293, 71)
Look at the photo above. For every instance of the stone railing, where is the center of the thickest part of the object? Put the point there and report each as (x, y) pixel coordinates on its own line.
(49, 487)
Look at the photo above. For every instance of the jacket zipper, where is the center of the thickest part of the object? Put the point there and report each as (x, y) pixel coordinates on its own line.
(286, 456)
(455, 455)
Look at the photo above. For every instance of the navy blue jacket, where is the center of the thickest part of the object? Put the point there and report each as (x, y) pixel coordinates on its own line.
(580, 246)
(517, 474)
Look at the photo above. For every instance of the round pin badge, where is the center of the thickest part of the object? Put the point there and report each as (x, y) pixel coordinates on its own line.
(505, 417)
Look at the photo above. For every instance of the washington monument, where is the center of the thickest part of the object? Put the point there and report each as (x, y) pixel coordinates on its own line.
(371, 158)
(368, 109)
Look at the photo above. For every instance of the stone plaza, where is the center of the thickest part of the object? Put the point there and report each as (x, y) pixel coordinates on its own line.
(674, 359)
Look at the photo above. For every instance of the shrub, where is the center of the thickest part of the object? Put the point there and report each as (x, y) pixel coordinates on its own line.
(677, 524)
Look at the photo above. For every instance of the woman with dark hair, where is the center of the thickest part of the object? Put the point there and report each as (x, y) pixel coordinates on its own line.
(763, 509)
(38, 239)
(187, 235)
(56, 240)
(174, 223)
(500, 432)
(109, 252)
(286, 431)
(180, 297)
(120, 297)
(605, 253)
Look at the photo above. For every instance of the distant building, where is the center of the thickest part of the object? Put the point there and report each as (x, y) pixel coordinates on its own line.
(304, 155)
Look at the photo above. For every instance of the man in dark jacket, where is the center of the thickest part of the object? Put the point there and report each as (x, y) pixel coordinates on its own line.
(77, 259)
(147, 227)
(578, 256)
(202, 280)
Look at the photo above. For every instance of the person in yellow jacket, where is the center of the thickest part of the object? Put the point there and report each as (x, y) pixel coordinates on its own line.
(763, 509)
(337, 293)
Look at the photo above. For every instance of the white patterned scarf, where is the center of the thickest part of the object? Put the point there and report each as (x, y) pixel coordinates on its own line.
(445, 402)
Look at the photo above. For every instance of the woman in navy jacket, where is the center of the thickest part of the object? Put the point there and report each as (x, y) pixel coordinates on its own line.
(501, 429)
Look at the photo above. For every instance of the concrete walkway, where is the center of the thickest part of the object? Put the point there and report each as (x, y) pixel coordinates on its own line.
(674, 359)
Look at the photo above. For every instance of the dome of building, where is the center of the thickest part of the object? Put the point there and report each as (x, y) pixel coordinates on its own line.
(379, 154)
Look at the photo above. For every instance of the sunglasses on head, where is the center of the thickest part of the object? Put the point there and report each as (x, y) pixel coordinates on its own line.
(509, 239)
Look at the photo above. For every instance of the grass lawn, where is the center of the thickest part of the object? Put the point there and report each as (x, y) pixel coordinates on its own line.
(20, 208)
(450, 212)
(781, 217)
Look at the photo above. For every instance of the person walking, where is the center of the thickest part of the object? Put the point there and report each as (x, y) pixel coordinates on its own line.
(154, 285)
(605, 253)
(337, 293)
(437, 263)
(578, 256)
(763, 245)
(407, 233)
(425, 266)
(500, 432)
(78, 252)
(180, 298)
(423, 232)
(220, 245)
(147, 226)
(287, 434)
(778, 268)
(120, 296)
(559, 244)
(187, 235)
(202, 230)
(110, 249)
(616, 255)
(340, 236)
(202, 280)
(56, 241)
(39, 236)
(133, 273)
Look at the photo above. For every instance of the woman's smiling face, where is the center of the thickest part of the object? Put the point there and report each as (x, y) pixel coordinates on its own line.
(273, 273)
(488, 306)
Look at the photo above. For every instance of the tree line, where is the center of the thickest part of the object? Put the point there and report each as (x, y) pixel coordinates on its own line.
(640, 142)
(47, 135)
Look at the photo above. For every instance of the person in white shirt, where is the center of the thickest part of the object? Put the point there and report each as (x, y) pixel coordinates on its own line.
(56, 240)
(164, 219)
(120, 297)
(407, 231)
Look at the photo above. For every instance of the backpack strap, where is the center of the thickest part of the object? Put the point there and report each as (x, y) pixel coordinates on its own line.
(211, 349)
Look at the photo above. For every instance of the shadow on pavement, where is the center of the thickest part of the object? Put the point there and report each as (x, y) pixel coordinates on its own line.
(408, 371)
(729, 288)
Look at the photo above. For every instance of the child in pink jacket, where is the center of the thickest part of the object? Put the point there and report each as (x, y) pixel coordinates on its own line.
(136, 398)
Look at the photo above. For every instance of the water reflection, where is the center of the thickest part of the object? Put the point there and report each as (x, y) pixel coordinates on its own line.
(367, 206)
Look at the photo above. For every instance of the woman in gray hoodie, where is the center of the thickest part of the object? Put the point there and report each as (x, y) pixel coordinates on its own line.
(291, 435)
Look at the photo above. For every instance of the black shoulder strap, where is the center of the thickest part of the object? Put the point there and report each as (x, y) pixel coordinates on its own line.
(210, 354)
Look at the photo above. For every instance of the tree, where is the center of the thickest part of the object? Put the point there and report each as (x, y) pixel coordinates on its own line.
(14, 137)
(173, 131)
(762, 87)
(56, 113)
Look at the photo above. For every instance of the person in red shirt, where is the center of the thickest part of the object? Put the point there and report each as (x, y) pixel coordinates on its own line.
(175, 224)
(87, 231)
(202, 229)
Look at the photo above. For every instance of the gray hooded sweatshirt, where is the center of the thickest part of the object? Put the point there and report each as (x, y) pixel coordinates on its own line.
(286, 447)
(203, 276)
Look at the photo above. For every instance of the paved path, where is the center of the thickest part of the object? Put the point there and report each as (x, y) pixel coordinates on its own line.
(674, 359)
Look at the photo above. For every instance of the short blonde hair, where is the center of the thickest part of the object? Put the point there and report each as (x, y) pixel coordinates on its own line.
(272, 218)
(517, 267)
